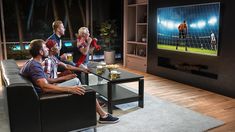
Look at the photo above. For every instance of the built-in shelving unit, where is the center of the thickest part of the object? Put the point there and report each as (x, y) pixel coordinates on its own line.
(135, 34)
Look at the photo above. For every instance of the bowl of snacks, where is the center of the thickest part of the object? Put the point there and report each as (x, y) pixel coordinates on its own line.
(111, 67)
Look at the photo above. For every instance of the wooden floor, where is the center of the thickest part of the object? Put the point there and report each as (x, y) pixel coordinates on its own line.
(205, 102)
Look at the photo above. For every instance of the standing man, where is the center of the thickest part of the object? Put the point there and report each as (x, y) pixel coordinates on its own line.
(58, 32)
(183, 31)
(213, 41)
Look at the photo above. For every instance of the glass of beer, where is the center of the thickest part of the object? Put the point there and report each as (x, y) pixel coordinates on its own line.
(114, 74)
(99, 69)
(69, 57)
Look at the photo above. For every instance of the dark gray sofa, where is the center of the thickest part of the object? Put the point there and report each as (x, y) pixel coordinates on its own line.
(32, 112)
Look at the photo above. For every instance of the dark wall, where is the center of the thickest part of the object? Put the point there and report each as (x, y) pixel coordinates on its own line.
(217, 73)
(104, 10)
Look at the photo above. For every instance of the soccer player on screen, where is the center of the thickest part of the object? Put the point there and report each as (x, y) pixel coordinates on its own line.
(213, 41)
(183, 31)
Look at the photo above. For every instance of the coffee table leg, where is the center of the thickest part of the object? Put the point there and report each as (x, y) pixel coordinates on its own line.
(87, 79)
(141, 93)
(110, 105)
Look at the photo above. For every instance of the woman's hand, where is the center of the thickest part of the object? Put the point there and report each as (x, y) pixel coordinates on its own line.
(89, 39)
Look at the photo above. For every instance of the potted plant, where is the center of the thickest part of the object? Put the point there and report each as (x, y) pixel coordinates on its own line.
(108, 34)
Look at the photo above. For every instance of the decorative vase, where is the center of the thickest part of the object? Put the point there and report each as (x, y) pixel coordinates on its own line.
(109, 57)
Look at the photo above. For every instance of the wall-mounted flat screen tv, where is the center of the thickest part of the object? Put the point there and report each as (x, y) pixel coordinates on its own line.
(189, 28)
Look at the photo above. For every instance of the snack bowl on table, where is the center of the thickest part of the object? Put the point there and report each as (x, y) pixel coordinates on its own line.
(111, 67)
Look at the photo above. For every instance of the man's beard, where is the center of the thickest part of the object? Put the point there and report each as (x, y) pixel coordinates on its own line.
(45, 55)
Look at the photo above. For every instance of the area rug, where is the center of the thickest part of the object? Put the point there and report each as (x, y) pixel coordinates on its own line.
(158, 116)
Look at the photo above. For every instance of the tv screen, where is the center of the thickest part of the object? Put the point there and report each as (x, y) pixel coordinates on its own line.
(190, 28)
(68, 44)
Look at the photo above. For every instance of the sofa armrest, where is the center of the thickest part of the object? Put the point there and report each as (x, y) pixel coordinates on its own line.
(23, 106)
(66, 112)
(46, 96)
